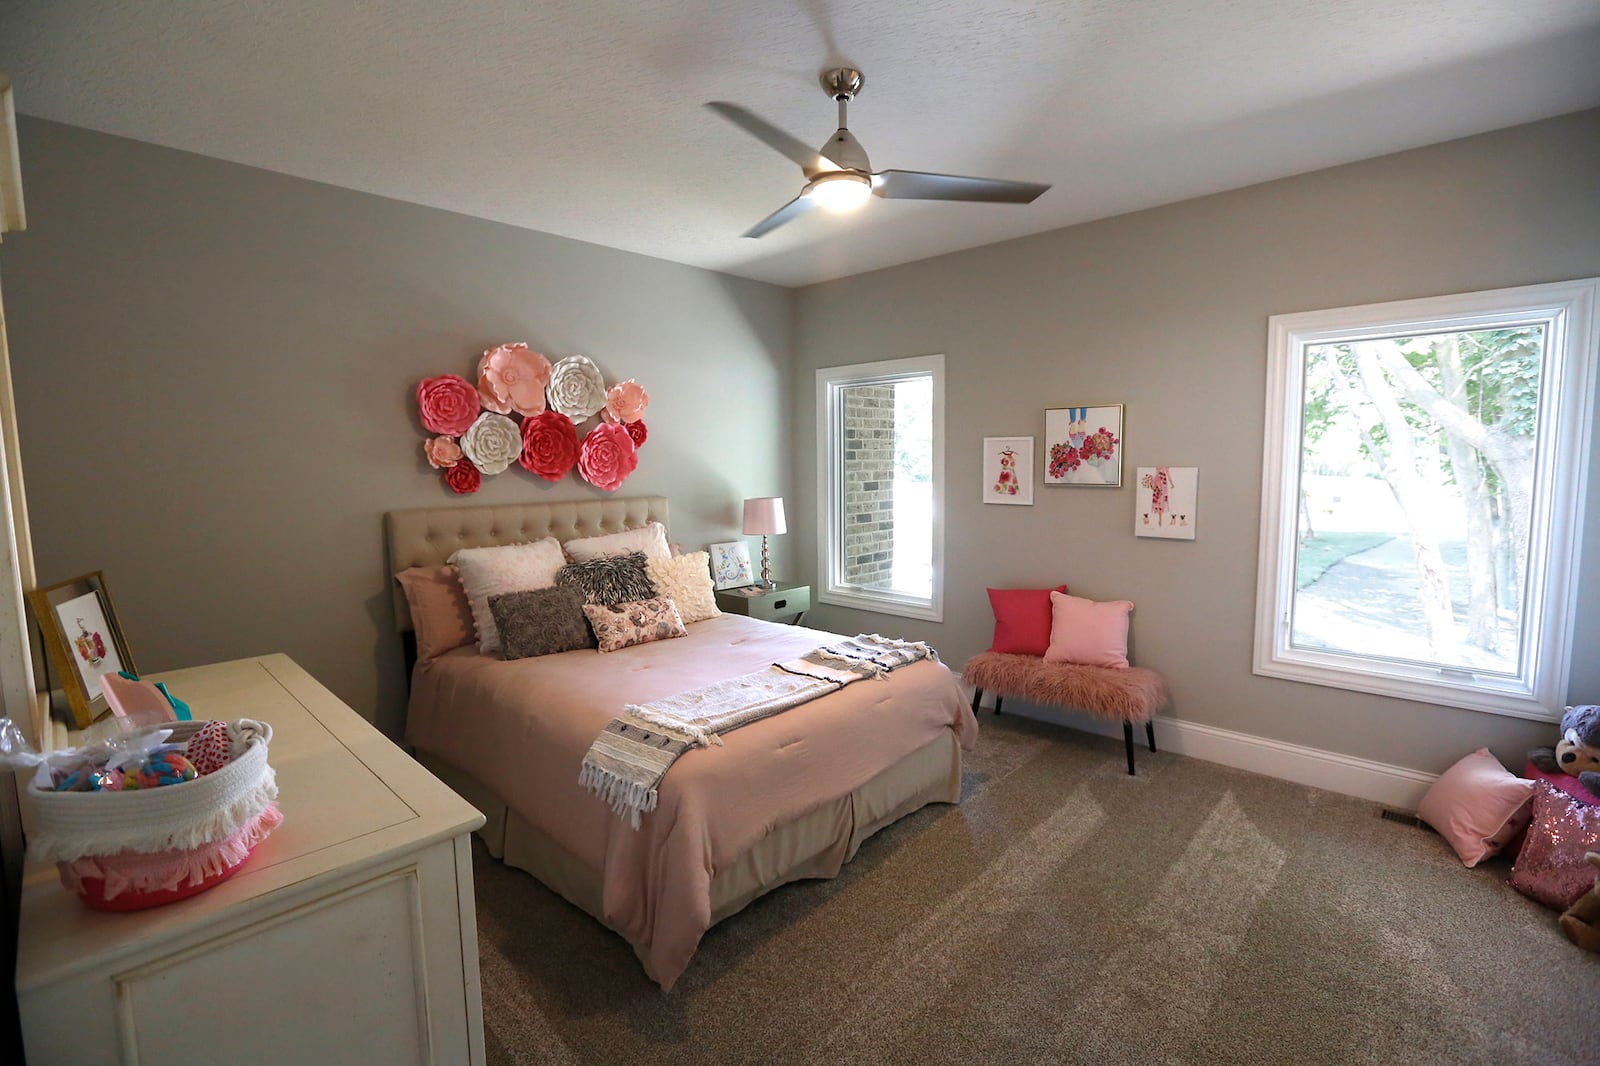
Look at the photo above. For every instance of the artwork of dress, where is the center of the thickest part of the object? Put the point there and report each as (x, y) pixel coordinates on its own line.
(730, 565)
(1164, 505)
(1008, 470)
(83, 621)
(1083, 446)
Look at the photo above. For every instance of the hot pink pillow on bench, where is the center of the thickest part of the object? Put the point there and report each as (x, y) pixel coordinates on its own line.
(1087, 633)
(1021, 620)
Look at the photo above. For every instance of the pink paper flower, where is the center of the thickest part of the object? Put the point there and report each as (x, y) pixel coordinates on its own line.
(549, 445)
(626, 401)
(463, 478)
(513, 378)
(447, 403)
(442, 452)
(608, 456)
(636, 429)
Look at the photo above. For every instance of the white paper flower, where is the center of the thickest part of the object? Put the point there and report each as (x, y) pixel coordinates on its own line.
(576, 388)
(493, 442)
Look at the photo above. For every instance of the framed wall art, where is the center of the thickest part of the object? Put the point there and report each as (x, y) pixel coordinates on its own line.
(1008, 470)
(83, 641)
(1083, 446)
(1164, 502)
(730, 565)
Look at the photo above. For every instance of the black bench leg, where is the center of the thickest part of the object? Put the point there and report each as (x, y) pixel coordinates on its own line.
(977, 697)
(1150, 733)
(997, 700)
(1127, 739)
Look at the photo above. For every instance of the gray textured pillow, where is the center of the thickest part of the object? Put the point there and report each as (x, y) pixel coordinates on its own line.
(612, 579)
(540, 622)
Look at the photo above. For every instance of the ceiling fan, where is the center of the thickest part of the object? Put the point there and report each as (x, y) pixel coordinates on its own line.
(839, 176)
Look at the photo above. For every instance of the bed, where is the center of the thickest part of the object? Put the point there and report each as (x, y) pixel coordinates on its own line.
(789, 797)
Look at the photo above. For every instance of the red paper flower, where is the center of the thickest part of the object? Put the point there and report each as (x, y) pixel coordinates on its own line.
(637, 431)
(463, 478)
(448, 404)
(608, 456)
(549, 445)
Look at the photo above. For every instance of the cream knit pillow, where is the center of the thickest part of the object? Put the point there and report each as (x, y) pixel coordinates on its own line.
(489, 572)
(686, 581)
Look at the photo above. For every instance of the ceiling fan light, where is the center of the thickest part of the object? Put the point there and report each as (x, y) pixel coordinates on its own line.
(840, 191)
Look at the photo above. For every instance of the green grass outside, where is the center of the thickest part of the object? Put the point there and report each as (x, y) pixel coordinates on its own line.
(1323, 550)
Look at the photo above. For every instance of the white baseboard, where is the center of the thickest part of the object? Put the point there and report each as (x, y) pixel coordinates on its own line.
(1392, 786)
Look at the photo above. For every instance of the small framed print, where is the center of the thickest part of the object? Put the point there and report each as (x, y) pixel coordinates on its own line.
(1164, 502)
(1083, 446)
(1008, 470)
(730, 565)
(83, 641)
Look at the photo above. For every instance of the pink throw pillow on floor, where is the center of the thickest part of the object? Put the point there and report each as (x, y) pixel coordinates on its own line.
(1478, 806)
(1087, 633)
(440, 614)
(1550, 867)
(1021, 620)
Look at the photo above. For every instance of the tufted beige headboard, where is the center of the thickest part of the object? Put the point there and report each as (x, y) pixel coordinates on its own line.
(428, 535)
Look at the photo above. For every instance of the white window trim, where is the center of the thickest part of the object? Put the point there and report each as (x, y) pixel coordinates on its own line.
(1564, 433)
(831, 587)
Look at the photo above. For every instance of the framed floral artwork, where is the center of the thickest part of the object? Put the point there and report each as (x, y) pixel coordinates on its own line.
(1008, 470)
(1164, 502)
(730, 565)
(1083, 446)
(83, 641)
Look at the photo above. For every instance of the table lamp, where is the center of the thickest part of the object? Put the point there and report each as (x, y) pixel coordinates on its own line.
(764, 515)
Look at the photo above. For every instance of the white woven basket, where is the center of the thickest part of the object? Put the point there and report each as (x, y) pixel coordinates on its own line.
(72, 825)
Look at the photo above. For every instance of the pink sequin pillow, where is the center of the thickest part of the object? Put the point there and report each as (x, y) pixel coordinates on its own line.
(1550, 867)
(1478, 806)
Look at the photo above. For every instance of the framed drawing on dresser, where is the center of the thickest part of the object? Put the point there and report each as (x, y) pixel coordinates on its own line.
(83, 641)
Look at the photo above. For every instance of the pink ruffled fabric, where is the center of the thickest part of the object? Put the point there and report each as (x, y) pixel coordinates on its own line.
(132, 871)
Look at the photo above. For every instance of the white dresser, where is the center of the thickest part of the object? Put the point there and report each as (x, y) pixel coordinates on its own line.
(349, 937)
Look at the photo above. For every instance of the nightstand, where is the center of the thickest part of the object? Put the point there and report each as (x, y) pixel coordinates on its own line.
(787, 602)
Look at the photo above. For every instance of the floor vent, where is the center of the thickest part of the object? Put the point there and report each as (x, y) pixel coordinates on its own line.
(1402, 817)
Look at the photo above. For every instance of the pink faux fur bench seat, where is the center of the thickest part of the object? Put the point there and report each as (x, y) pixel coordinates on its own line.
(1127, 695)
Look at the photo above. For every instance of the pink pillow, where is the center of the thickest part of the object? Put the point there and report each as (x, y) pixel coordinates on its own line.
(1550, 867)
(1478, 806)
(1561, 783)
(1087, 633)
(439, 610)
(1021, 620)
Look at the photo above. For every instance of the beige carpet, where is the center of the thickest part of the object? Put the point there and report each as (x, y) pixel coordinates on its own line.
(1068, 913)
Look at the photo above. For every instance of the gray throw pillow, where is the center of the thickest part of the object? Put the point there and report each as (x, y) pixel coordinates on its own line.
(608, 580)
(540, 622)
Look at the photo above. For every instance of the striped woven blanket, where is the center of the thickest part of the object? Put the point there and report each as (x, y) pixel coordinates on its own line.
(627, 761)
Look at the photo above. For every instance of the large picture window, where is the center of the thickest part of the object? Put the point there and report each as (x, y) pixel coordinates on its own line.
(1422, 494)
(880, 428)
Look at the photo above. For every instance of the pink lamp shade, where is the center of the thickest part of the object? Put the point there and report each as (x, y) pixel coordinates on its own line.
(764, 515)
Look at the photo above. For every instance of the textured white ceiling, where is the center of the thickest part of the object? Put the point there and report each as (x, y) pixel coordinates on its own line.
(584, 117)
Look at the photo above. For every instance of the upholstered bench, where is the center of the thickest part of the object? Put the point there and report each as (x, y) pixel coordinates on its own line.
(1129, 694)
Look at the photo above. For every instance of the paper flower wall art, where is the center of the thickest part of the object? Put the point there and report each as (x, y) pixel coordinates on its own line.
(525, 410)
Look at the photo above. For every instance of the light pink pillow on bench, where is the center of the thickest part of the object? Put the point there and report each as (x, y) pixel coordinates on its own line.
(1478, 806)
(1087, 633)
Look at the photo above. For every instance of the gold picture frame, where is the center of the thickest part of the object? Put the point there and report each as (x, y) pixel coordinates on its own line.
(82, 640)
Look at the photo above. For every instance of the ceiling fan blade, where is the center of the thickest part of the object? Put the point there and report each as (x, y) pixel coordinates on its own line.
(917, 185)
(811, 161)
(787, 213)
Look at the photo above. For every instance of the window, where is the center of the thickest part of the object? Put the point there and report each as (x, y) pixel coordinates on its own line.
(880, 428)
(1422, 494)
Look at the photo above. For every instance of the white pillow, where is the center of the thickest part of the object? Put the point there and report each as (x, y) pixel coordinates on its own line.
(489, 572)
(650, 539)
(686, 581)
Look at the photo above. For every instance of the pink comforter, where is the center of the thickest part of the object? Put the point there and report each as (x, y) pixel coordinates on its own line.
(523, 727)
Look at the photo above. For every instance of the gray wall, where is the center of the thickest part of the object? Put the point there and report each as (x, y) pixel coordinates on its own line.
(214, 372)
(1166, 311)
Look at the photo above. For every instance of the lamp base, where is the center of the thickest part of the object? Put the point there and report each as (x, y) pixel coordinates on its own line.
(766, 581)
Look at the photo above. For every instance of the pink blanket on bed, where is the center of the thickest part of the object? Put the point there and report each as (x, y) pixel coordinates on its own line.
(523, 727)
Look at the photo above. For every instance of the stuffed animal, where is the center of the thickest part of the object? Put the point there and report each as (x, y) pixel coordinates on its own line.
(1578, 752)
(1581, 922)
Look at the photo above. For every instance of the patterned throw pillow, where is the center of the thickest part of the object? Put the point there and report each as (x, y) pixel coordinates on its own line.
(686, 581)
(540, 622)
(622, 625)
(612, 579)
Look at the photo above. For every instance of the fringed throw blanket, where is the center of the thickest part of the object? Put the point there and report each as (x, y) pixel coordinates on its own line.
(630, 757)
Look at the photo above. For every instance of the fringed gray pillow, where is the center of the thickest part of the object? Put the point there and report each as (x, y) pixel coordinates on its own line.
(540, 622)
(612, 579)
